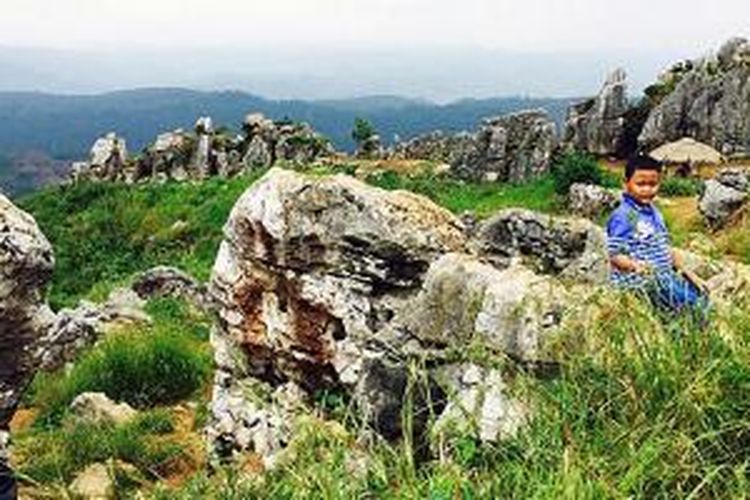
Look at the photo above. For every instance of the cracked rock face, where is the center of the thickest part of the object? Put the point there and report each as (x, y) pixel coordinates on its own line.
(330, 284)
(711, 103)
(723, 196)
(26, 263)
(597, 125)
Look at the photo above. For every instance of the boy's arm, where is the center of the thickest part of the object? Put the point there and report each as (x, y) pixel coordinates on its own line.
(677, 260)
(619, 230)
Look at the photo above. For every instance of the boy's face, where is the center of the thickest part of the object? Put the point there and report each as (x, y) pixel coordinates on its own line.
(643, 185)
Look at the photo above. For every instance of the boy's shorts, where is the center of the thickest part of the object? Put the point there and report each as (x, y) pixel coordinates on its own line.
(8, 487)
(674, 294)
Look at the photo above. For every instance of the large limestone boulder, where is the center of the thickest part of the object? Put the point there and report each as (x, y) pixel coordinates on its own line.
(597, 125)
(106, 162)
(723, 196)
(330, 284)
(26, 263)
(710, 102)
(514, 147)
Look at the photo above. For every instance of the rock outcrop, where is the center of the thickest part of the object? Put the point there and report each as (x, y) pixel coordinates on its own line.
(710, 103)
(597, 125)
(436, 146)
(592, 201)
(326, 283)
(515, 147)
(26, 263)
(204, 152)
(106, 161)
(723, 196)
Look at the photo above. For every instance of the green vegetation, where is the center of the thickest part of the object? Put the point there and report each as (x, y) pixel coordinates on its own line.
(576, 167)
(143, 366)
(641, 408)
(481, 198)
(680, 186)
(103, 233)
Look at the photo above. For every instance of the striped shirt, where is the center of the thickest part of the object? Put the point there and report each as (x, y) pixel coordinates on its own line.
(639, 232)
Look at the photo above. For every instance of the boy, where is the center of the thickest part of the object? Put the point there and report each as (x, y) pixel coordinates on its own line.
(639, 247)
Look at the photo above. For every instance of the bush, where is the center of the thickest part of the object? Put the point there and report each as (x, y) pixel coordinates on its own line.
(680, 186)
(142, 368)
(575, 167)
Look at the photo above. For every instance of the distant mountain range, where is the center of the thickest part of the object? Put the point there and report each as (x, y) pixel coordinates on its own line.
(41, 128)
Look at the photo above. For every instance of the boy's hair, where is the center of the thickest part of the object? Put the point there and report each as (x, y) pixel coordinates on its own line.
(641, 161)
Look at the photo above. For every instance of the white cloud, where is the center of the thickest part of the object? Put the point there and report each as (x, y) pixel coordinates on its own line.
(536, 25)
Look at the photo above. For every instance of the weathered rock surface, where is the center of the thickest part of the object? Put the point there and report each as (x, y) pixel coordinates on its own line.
(592, 201)
(75, 329)
(480, 404)
(93, 483)
(597, 125)
(204, 152)
(164, 281)
(97, 408)
(106, 160)
(514, 147)
(26, 262)
(327, 283)
(568, 248)
(710, 103)
(723, 196)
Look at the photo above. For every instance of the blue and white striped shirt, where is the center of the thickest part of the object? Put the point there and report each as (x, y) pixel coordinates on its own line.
(638, 231)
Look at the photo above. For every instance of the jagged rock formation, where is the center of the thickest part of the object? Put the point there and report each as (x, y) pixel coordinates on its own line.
(331, 284)
(204, 152)
(26, 262)
(97, 408)
(513, 147)
(723, 196)
(106, 160)
(597, 125)
(710, 102)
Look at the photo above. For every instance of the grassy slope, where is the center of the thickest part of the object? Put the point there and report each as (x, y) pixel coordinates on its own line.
(641, 409)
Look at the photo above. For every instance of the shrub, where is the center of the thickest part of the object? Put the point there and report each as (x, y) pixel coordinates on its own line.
(680, 186)
(143, 368)
(575, 167)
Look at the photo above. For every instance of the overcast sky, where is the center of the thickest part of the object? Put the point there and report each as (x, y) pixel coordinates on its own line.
(438, 49)
(528, 25)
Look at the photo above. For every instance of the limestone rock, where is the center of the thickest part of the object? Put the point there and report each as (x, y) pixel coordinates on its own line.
(479, 405)
(26, 262)
(591, 201)
(510, 309)
(597, 125)
(435, 146)
(97, 408)
(330, 284)
(568, 248)
(719, 201)
(94, 483)
(515, 147)
(711, 103)
(106, 161)
(164, 281)
(72, 330)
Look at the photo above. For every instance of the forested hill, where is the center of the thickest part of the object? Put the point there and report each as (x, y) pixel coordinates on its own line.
(64, 126)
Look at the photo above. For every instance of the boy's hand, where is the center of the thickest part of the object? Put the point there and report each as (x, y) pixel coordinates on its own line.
(642, 268)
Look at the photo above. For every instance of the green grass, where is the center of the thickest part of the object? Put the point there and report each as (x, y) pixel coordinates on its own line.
(56, 455)
(144, 366)
(641, 409)
(103, 233)
(481, 198)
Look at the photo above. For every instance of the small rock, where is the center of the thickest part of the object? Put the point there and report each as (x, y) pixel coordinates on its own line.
(96, 407)
(591, 201)
(94, 483)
